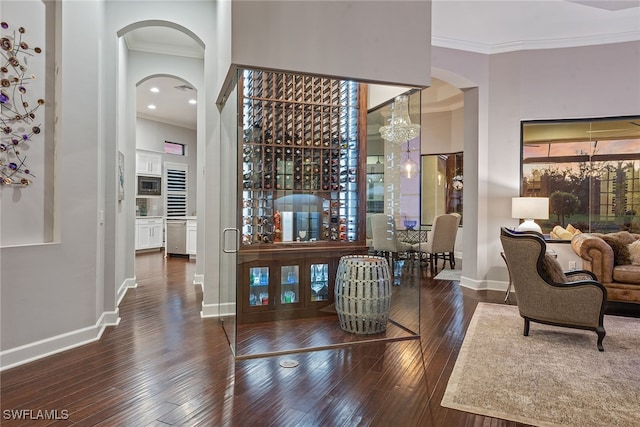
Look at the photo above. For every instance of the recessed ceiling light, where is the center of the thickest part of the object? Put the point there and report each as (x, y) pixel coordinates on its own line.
(154, 89)
(151, 107)
(192, 101)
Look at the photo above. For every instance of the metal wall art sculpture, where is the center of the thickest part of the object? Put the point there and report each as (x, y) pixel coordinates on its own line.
(17, 106)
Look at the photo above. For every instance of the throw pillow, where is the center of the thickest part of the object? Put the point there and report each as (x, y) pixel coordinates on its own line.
(620, 249)
(623, 236)
(562, 233)
(634, 252)
(552, 269)
(571, 229)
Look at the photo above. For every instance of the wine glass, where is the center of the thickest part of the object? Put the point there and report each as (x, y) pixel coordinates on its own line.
(317, 286)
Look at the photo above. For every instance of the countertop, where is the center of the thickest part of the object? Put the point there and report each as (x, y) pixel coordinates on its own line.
(177, 218)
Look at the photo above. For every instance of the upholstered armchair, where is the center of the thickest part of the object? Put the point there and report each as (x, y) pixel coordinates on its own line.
(547, 295)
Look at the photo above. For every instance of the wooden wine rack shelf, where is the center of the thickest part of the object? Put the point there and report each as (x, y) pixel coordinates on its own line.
(301, 135)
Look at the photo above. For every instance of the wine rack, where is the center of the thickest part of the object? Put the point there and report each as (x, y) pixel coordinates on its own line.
(300, 158)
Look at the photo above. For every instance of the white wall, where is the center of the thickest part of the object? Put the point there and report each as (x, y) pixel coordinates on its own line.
(50, 291)
(26, 214)
(596, 81)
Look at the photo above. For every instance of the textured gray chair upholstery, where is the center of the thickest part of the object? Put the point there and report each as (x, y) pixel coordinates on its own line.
(441, 242)
(578, 302)
(385, 240)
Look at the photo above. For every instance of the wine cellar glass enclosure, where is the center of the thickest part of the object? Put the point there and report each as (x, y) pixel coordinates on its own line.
(299, 148)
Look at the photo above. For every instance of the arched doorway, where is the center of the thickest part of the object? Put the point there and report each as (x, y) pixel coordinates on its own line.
(170, 57)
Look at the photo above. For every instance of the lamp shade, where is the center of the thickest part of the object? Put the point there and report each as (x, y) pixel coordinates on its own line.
(530, 207)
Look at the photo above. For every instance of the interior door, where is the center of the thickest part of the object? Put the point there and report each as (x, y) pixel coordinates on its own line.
(228, 216)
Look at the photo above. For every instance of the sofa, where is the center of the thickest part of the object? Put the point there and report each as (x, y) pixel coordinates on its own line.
(615, 260)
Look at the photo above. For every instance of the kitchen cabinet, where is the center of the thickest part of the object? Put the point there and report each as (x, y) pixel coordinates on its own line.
(148, 163)
(192, 237)
(149, 233)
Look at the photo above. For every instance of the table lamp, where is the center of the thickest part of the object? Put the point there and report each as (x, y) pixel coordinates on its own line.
(530, 208)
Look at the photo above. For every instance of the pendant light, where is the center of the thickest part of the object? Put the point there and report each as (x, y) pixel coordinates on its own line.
(408, 166)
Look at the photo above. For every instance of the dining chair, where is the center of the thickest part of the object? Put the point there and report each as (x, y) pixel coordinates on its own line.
(441, 241)
(385, 239)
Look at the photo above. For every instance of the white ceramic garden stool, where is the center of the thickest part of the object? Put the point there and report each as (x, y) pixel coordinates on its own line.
(363, 294)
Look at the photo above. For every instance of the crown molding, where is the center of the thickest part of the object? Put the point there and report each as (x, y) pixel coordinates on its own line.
(489, 49)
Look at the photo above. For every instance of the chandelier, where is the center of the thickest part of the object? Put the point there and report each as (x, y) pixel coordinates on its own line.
(400, 129)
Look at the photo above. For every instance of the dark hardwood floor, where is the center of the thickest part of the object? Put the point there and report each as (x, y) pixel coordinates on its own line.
(165, 365)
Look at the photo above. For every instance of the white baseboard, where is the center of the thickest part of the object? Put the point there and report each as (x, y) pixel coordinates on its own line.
(37, 350)
(210, 310)
(484, 285)
(198, 279)
(218, 310)
(228, 309)
(122, 291)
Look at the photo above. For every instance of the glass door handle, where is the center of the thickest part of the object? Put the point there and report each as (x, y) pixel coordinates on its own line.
(224, 239)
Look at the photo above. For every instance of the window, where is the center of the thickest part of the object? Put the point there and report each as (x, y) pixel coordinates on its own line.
(174, 148)
(589, 168)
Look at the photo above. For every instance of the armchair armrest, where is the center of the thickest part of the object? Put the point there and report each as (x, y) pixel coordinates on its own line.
(581, 302)
(577, 275)
(596, 254)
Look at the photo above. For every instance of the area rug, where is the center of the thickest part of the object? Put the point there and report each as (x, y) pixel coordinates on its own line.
(554, 377)
(449, 275)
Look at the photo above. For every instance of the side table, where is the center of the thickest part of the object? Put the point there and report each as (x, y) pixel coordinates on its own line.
(363, 294)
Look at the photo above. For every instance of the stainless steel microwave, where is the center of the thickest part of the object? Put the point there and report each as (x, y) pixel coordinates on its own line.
(149, 185)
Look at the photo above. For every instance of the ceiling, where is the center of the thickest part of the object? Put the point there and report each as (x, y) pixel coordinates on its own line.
(473, 25)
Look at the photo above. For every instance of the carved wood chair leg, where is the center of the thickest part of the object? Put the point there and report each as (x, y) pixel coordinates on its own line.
(601, 333)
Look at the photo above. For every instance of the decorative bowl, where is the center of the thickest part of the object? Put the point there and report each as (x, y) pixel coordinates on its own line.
(409, 225)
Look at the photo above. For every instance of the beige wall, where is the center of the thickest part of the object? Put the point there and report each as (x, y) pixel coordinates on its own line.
(375, 41)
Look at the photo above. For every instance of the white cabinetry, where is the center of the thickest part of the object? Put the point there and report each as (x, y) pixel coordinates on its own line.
(191, 236)
(148, 163)
(149, 233)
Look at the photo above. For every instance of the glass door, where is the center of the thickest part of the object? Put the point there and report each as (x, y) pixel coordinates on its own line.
(393, 179)
(228, 217)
